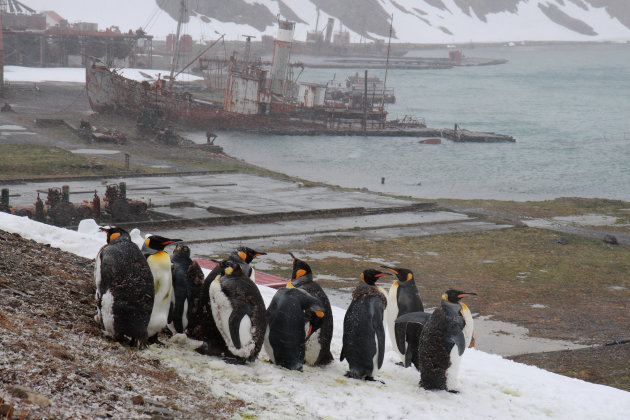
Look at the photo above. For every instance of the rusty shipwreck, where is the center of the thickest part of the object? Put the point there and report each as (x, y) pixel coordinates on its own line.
(256, 96)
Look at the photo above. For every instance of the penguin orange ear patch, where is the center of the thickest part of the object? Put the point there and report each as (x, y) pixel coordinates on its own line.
(300, 273)
(320, 314)
(409, 276)
(242, 255)
(147, 241)
(114, 236)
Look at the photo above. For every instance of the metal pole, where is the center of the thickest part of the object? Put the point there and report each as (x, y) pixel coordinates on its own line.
(389, 43)
(365, 110)
(182, 10)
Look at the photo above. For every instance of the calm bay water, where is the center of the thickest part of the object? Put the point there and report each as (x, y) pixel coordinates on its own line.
(567, 106)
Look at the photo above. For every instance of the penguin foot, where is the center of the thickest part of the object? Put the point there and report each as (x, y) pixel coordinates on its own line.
(233, 360)
(154, 340)
(208, 350)
(324, 360)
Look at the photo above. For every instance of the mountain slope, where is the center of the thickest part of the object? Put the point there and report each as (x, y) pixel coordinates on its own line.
(422, 21)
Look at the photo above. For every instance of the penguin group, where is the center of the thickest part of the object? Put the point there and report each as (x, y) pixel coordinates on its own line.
(142, 291)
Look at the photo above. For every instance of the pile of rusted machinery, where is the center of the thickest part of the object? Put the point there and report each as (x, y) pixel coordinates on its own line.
(59, 211)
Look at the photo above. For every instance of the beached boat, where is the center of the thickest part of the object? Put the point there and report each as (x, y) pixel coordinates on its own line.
(256, 98)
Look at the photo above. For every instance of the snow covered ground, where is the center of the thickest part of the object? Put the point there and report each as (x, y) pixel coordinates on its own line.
(77, 74)
(490, 386)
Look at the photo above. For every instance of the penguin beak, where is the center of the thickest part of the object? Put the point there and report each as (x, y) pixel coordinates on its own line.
(171, 241)
(390, 269)
(466, 294)
(310, 331)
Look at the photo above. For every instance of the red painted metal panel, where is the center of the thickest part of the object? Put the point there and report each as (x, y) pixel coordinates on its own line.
(263, 279)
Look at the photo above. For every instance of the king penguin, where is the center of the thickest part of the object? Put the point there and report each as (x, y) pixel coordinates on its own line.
(363, 331)
(160, 263)
(239, 312)
(318, 343)
(402, 299)
(286, 334)
(124, 288)
(187, 282)
(442, 344)
(202, 324)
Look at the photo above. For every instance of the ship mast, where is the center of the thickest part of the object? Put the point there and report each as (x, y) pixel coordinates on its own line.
(389, 43)
(182, 11)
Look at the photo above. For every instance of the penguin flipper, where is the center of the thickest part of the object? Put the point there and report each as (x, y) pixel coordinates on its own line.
(235, 324)
(408, 357)
(400, 330)
(414, 317)
(377, 324)
(205, 289)
(455, 337)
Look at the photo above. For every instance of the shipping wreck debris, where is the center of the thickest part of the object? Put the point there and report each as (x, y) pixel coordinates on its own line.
(58, 210)
(256, 97)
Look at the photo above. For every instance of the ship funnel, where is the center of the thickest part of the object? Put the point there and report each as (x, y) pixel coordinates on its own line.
(329, 30)
(281, 55)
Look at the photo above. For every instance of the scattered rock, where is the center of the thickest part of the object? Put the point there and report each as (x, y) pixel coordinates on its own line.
(29, 395)
(611, 239)
(562, 240)
(138, 400)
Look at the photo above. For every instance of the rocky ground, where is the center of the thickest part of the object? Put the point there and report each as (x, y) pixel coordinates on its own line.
(55, 361)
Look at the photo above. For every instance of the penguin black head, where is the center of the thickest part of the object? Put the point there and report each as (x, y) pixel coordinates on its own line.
(370, 276)
(300, 268)
(248, 254)
(230, 268)
(114, 232)
(158, 243)
(181, 249)
(454, 296)
(402, 274)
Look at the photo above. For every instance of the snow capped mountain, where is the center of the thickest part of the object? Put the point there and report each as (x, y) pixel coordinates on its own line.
(415, 21)
(423, 21)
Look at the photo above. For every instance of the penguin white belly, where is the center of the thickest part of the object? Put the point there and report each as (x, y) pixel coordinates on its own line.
(453, 369)
(107, 312)
(468, 328)
(185, 315)
(252, 276)
(160, 264)
(221, 311)
(313, 347)
(391, 313)
(268, 348)
(171, 326)
(375, 361)
(97, 271)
